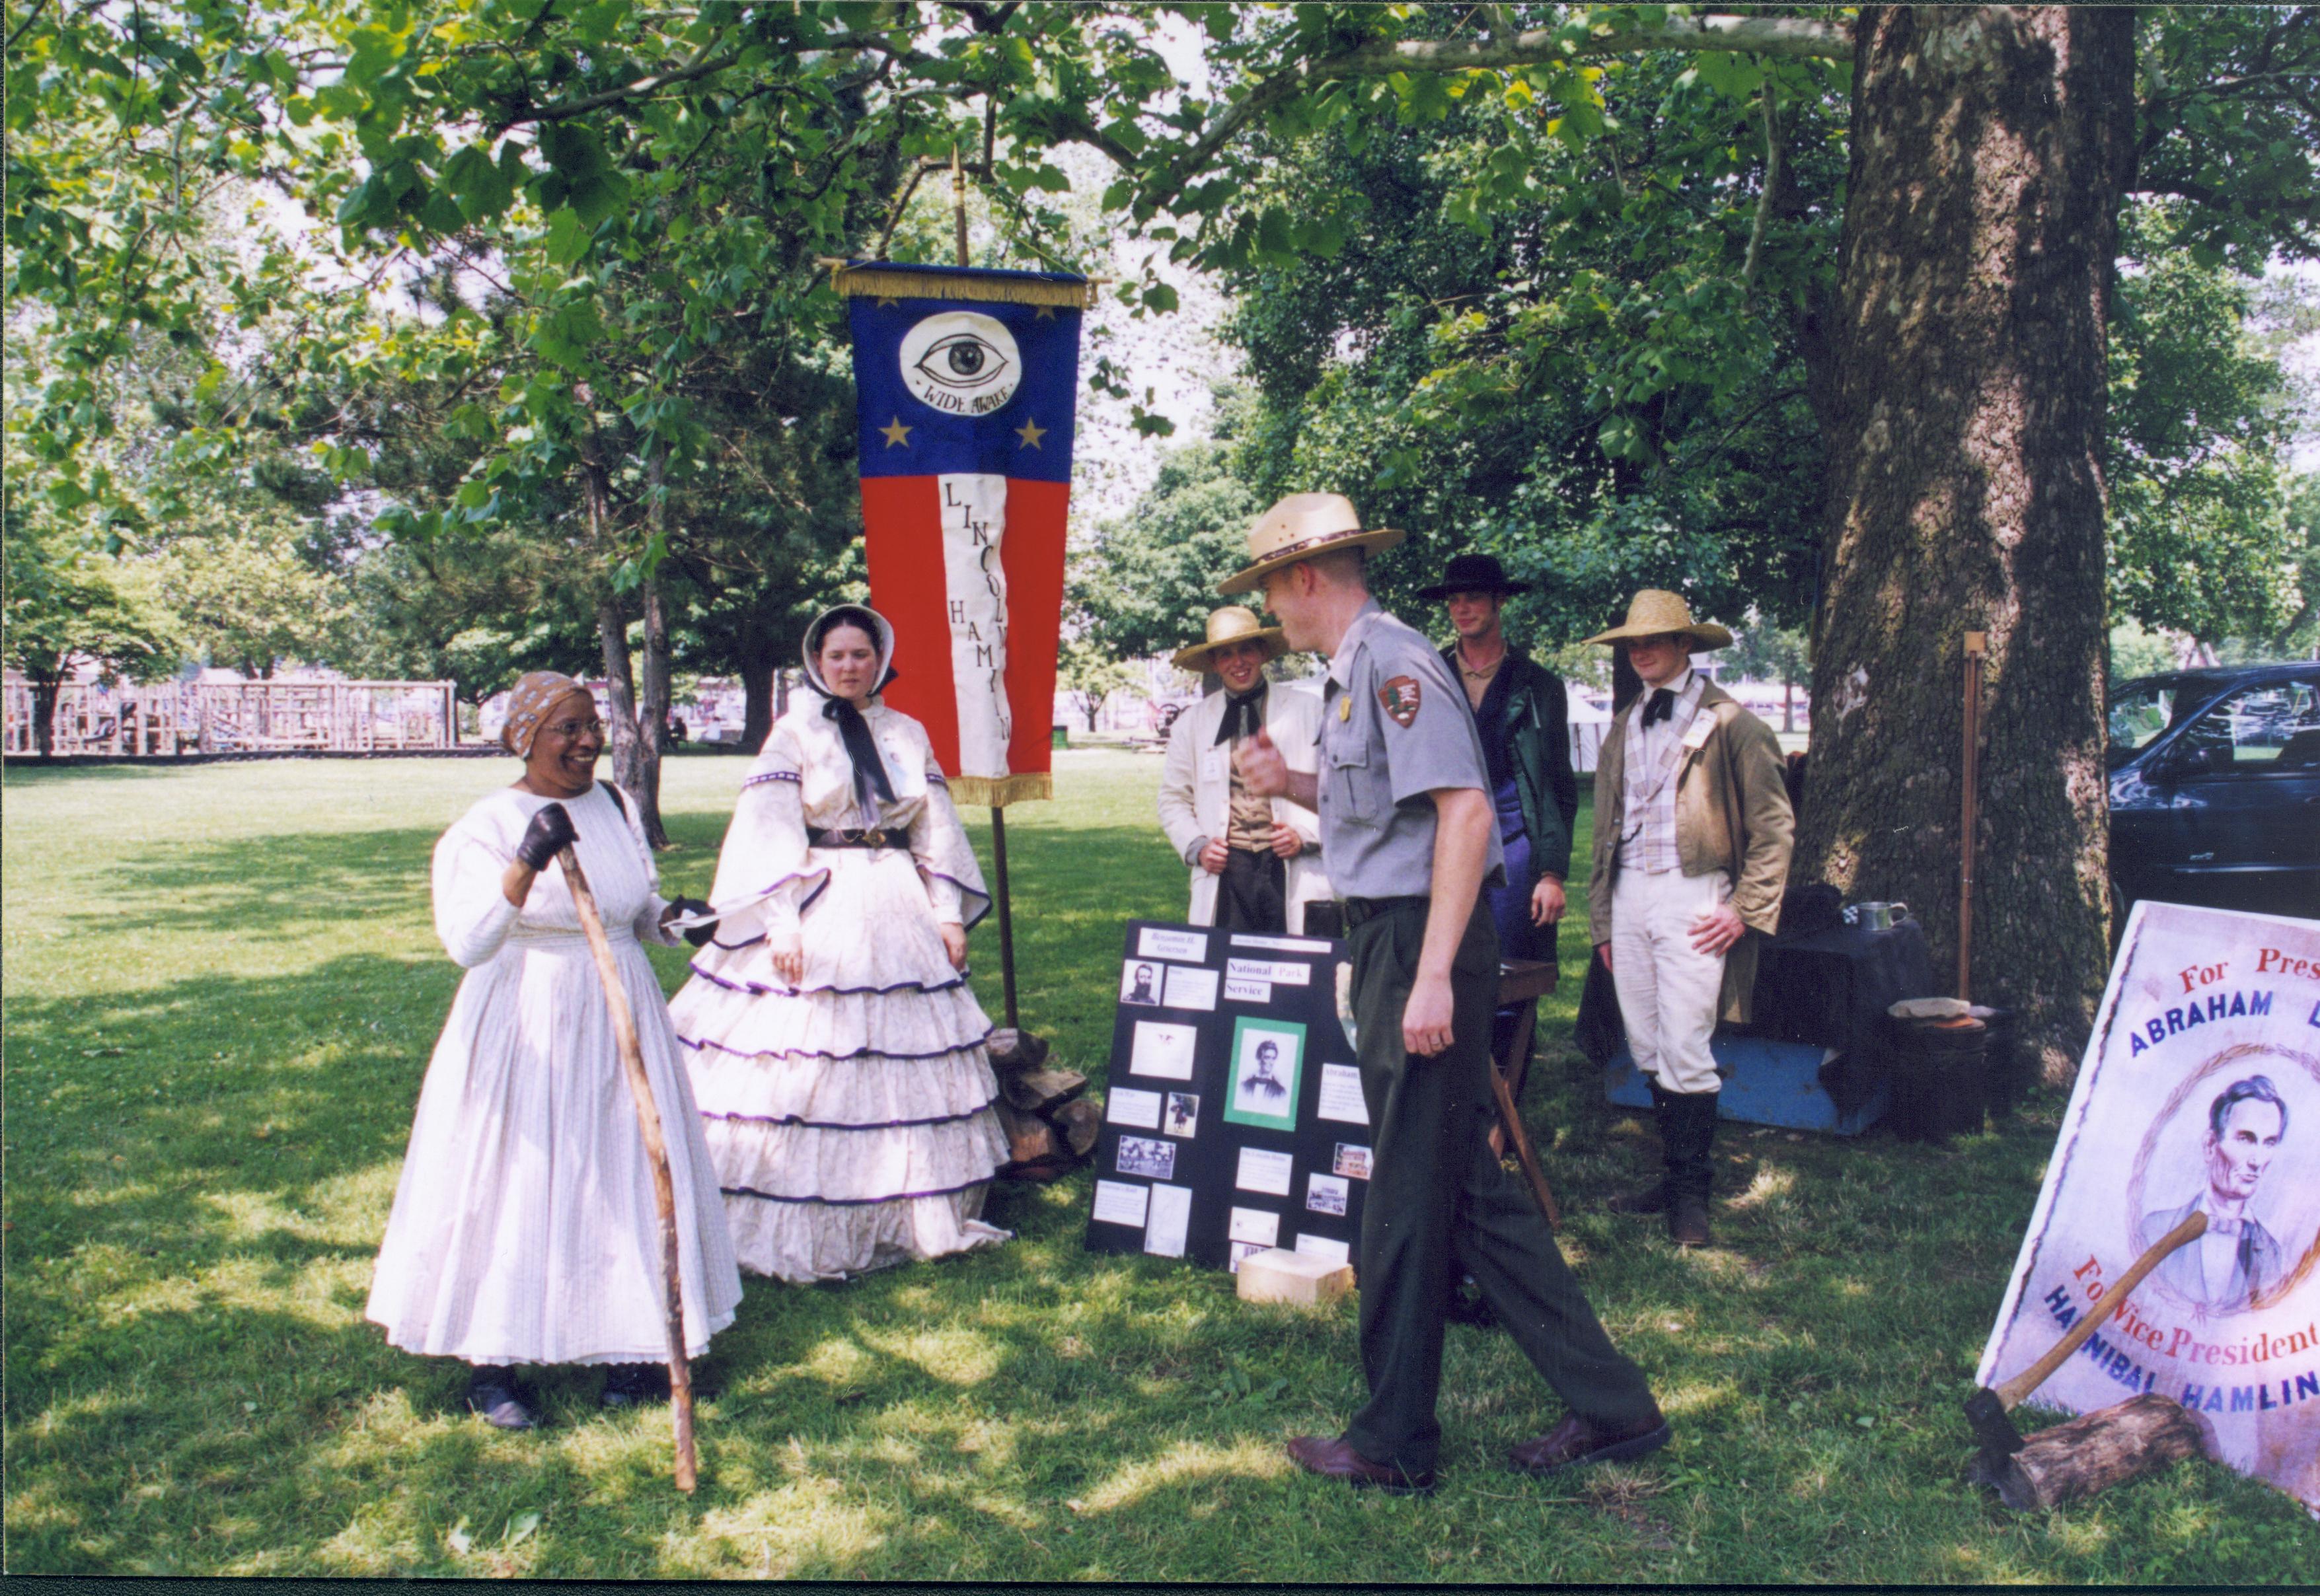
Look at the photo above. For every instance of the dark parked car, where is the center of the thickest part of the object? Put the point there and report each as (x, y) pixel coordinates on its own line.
(2215, 788)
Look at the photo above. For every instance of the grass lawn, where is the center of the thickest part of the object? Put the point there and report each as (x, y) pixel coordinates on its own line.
(222, 989)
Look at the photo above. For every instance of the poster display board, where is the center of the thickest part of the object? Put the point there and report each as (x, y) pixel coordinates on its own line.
(1234, 1119)
(2200, 1089)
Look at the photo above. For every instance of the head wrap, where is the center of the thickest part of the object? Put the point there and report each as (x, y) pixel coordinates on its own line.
(535, 693)
(861, 748)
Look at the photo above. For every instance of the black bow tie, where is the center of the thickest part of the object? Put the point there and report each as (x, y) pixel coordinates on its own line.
(1244, 716)
(1661, 706)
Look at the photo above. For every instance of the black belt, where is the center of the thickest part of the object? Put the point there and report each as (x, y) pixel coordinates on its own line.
(847, 837)
(1358, 909)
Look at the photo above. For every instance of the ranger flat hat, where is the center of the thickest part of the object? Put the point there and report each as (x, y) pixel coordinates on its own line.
(1473, 574)
(1233, 624)
(1298, 528)
(1653, 612)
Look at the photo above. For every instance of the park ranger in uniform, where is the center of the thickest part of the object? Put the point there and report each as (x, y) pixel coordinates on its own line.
(1408, 822)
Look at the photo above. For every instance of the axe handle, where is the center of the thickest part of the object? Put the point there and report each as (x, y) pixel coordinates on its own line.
(2012, 1392)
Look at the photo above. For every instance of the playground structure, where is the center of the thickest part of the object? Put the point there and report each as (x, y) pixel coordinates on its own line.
(168, 719)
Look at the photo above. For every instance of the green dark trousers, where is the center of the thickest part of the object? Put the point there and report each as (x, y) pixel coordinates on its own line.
(1438, 1202)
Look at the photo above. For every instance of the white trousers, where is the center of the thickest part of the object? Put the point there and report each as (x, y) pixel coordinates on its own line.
(1669, 990)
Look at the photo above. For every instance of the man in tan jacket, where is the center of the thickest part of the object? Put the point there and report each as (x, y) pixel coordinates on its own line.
(1692, 837)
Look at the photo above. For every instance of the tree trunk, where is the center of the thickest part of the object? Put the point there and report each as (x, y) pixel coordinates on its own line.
(653, 715)
(45, 689)
(1789, 704)
(1964, 433)
(758, 709)
(1094, 709)
(619, 695)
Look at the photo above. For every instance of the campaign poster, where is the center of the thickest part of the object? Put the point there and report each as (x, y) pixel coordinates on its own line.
(2199, 1091)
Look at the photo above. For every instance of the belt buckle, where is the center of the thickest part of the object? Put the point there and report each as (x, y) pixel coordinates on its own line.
(876, 837)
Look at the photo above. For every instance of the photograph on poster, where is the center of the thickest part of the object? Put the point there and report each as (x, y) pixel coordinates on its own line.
(1254, 1224)
(1327, 1247)
(1326, 1193)
(2220, 1145)
(1351, 1161)
(1189, 987)
(1171, 1220)
(1266, 1057)
(1150, 1158)
(1162, 1049)
(1261, 1171)
(1139, 983)
(1137, 1110)
(1183, 1113)
(1244, 1249)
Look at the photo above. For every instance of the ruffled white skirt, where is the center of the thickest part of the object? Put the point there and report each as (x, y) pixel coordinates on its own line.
(849, 1118)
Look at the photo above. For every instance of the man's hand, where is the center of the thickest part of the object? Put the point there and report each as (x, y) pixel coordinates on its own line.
(1716, 931)
(1263, 771)
(788, 952)
(1546, 901)
(1286, 842)
(1213, 856)
(1426, 1017)
(954, 937)
(1604, 950)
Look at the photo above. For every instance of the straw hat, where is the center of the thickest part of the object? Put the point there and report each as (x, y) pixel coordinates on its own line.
(1654, 613)
(1298, 528)
(1232, 624)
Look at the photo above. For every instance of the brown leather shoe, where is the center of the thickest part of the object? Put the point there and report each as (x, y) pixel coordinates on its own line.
(1688, 1222)
(1337, 1460)
(1574, 1442)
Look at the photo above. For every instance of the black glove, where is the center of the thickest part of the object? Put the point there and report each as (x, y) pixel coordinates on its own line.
(698, 935)
(546, 836)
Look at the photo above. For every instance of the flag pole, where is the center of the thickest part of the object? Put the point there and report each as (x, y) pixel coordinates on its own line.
(998, 813)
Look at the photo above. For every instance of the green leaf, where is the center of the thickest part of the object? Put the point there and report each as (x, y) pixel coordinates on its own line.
(567, 238)
(481, 187)
(1160, 297)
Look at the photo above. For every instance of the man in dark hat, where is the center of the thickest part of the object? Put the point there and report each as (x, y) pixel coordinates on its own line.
(1524, 718)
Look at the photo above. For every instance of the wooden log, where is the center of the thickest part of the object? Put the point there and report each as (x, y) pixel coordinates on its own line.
(1011, 1050)
(2069, 1461)
(1081, 1122)
(1031, 1142)
(1038, 1091)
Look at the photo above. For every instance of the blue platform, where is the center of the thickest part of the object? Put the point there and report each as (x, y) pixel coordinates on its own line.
(1765, 1083)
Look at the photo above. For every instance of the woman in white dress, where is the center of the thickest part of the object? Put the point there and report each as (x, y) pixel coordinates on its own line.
(835, 1049)
(524, 1228)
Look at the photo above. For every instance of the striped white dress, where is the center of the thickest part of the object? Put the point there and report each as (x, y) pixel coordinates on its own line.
(850, 1116)
(524, 1228)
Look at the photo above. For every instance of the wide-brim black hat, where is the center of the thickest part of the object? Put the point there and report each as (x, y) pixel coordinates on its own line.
(1473, 574)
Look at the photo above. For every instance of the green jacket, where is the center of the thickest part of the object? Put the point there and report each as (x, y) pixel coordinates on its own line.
(1534, 718)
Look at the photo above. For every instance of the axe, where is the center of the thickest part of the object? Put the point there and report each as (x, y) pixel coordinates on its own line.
(1988, 1409)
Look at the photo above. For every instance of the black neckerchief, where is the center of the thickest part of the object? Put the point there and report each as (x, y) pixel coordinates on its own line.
(1244, 715)
(861, 748)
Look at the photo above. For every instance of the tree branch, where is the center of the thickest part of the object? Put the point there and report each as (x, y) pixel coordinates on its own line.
(24, 27)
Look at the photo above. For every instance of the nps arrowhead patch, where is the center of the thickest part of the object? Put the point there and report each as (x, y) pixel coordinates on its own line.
(1399, 697)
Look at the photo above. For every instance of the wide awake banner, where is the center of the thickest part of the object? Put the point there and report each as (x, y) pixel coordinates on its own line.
(2200, 1089)
(967, 384)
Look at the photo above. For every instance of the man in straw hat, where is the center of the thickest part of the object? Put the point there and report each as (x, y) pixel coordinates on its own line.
(1254, 859)
(1692, 836)
(1524, 718)
(1407, 827)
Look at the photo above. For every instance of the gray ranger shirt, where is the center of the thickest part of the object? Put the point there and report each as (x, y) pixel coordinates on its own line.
(1394, 727)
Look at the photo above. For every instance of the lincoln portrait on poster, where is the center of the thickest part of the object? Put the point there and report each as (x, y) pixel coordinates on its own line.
(1266, 1057)
(2238, 1259)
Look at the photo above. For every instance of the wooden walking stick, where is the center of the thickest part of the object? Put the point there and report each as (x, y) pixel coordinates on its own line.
(632, 1064)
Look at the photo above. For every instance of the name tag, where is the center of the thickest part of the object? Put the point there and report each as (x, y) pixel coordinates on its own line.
(1702, 728)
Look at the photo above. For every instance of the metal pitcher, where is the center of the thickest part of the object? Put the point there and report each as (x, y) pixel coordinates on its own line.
(1881, 917)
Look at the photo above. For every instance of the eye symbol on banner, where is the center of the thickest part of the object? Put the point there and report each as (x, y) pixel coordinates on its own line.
(961, 363)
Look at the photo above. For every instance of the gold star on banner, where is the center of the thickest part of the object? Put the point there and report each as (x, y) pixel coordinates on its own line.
(1044, 313)
(1031, 432)
(884, 301)
(894, 432)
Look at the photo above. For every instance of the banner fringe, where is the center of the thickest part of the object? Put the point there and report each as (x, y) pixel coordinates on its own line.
(883, 281)
(996, 792)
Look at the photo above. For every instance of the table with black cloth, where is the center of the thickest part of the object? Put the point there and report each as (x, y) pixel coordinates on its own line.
(1828, 988)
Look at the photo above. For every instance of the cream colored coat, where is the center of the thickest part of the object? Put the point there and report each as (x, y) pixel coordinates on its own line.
(1195, 794)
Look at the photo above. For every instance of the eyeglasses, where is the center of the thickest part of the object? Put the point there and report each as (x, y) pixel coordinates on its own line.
(576, 729)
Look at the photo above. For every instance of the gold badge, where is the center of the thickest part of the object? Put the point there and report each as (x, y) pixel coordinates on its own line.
(1398, 697)
(1346, 707)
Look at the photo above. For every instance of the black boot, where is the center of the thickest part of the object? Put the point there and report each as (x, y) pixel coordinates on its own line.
(1690, 1174)
(492, 1392)
(1655, 1198)
(634, 1384)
